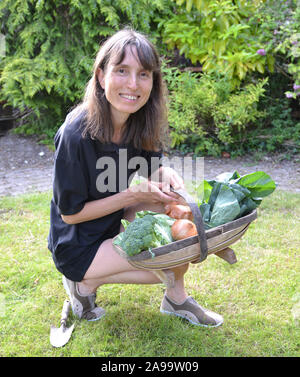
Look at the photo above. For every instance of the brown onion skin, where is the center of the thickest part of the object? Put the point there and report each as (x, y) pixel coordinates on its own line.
(183, 228)
(178, 211)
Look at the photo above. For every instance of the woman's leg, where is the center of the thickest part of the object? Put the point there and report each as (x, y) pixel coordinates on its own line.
(108, 267)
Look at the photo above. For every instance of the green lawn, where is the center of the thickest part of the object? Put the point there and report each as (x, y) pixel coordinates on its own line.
(259, 297)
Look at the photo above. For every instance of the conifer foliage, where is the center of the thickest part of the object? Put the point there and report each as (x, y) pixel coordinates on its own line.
(51, 46)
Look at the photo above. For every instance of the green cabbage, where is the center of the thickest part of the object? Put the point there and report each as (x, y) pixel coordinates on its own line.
(231, 196)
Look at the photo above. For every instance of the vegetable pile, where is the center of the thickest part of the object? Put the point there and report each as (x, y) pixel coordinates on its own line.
(231, 196)
(225, 199)
(148, 230)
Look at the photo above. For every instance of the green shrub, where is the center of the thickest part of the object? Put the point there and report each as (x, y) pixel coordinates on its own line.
(206, 115)
(277, 131)
(51, 46)
(278, 27)
(217, 34)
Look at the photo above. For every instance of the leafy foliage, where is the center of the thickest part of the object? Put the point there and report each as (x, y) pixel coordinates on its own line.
(217, 34)
(51, 46)
(277, 131)
(279, 26)
(207, 115)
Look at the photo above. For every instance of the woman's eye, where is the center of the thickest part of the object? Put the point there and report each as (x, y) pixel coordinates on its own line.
(145, 74)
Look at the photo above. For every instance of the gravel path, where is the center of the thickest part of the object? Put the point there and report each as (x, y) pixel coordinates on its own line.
(26, 166)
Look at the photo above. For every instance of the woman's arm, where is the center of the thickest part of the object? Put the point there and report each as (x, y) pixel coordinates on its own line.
(144, 192)
(99, 208)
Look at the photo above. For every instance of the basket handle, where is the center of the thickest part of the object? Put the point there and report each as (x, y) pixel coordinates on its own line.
(198, 222)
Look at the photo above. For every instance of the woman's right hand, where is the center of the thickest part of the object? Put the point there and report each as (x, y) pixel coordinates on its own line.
(153, 192)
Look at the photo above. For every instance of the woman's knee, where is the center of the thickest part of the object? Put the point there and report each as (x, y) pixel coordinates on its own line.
(107, 262)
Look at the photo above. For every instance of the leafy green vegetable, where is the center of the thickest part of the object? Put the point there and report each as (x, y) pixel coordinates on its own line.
(226, 198)
(231, 196)
(148, 230)
(259, 183)
(225, 207)
(125, 223)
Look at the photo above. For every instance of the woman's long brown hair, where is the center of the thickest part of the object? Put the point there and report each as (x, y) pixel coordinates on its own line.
(146, 128)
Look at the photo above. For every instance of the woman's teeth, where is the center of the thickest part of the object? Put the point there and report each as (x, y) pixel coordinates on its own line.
(128, 97)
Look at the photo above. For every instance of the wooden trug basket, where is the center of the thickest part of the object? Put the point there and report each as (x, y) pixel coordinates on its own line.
(193, 249)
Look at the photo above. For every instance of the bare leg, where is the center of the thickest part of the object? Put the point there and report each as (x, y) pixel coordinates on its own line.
(108, 267)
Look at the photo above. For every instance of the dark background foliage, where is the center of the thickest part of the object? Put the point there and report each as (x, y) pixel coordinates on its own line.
(232, 67)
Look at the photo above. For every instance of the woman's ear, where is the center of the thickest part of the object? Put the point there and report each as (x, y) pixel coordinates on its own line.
(100, 76)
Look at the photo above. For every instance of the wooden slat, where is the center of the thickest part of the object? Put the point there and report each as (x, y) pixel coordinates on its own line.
(228, 242)
(228, 255)
(187, 254)
(225, 237)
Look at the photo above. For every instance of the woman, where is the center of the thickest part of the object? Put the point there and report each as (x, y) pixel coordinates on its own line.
(121, 119)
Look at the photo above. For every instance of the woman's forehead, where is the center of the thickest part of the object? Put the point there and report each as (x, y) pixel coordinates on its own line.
(131, 53)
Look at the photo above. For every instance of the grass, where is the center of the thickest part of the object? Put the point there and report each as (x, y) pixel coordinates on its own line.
(259, 297)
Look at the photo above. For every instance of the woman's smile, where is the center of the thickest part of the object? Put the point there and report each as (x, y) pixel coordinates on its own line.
(129, 97)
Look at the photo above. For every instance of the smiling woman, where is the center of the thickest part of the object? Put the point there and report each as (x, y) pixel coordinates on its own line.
(123, 110)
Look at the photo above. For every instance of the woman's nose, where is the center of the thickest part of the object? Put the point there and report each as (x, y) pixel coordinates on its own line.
(132, 82)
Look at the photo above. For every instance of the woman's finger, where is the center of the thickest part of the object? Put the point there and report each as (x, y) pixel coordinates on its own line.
(171, 177)
(177, 181)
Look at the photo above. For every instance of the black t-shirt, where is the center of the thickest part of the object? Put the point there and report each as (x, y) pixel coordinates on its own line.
(85, 170)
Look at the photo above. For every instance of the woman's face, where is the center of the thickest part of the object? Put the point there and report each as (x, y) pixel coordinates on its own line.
(127, 86)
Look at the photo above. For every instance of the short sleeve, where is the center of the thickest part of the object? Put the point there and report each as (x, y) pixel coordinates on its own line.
(70, 191)
(70, 187)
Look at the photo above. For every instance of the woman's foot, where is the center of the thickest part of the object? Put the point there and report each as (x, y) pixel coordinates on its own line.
(189, 309)
(83, 306)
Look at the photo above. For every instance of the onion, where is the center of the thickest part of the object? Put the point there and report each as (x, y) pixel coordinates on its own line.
(183, 228)
(178, 211)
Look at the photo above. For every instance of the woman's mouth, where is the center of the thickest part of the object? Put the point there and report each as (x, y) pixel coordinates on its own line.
(129, 97)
